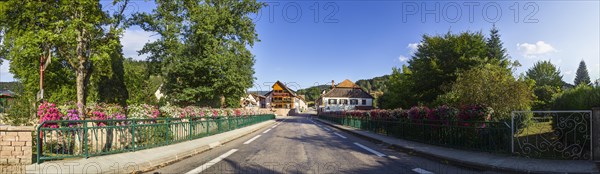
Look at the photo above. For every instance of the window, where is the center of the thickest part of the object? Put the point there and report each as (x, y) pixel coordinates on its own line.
(353, 102)
(344, 101)
(364, 102)
(332, 101)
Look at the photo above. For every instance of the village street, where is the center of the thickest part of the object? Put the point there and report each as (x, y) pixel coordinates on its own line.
(299, 144)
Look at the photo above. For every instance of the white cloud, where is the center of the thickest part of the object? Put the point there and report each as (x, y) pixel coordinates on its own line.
(5, 76)
(403, 58)
(533, 50)
(134, 40)
(413, 46)
(569, 72)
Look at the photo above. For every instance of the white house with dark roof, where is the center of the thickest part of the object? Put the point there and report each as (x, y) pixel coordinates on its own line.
(345, 96)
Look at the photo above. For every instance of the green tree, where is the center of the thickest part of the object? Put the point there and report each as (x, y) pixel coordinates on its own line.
(397, 93)
(203, 51)
(494, 86)
(582, 76)
(495, 49)
(139, 77)
(70, 33)
(437, 62)
(545, 73)
(548, 83)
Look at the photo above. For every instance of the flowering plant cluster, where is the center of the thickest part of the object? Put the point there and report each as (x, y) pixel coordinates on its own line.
(445, 112)
(418, 112)
(106, 112)
(441, 113)
(142, 111)
(476, 112)
(48, 112)
(73, 115)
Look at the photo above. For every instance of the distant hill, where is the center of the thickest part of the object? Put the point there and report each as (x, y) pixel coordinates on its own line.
(375, 85)
(312, 93)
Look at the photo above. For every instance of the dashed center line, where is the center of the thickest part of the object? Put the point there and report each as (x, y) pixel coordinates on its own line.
(266, 131)
(370, 150)
(341, 136)
(252, 139)
(274, 126)
(212, 162)
(421, 171)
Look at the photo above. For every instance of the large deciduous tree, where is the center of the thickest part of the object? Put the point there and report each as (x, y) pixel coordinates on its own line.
(71, 34)
(202, 50)
(545, 73)
(397, 93)
(548, 83)
(582, 76)
(437, 62)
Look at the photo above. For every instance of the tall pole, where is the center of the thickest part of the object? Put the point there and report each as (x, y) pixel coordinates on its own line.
(41, 97)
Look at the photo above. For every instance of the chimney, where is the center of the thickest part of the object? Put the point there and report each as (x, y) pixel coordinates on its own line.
(332, 84)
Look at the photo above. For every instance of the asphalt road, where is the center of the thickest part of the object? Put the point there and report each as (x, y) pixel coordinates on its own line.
(301, 145)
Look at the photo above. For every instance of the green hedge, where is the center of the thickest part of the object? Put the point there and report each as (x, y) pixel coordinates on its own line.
(582, 97)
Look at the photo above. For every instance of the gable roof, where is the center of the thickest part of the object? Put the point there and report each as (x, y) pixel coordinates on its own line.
(284, 87)
(347, 93)
(347, 84)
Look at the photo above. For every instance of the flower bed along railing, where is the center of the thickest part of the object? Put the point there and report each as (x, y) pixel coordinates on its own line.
(477, 136)
(59, 139)
(467, 128)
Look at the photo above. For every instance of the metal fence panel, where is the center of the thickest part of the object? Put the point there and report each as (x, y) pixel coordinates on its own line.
(85, 138)
(552, 134)
(477, 136)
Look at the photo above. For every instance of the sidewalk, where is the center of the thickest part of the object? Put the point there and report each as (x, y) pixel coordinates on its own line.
(478, 160)
(143, 160)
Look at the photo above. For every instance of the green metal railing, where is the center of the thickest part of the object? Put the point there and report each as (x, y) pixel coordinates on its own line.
(85, 138)
(477, 136)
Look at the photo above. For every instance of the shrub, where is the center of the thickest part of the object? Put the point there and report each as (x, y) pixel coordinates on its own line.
(495, 87)
(20, 112)
(142, 111)
(49, 112)
(582, 97)
(477, 112)
(418, 112)
(445, 112)
(399, 113)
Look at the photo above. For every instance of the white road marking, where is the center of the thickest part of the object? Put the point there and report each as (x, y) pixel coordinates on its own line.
(327, 129)
(252, 139)
(370, 150)
(341, 136)
(266, 131)
(274, 126)
(393, 157)
(212, 162)
(421, 171)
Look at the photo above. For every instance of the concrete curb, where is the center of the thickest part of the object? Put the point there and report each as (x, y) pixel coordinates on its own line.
(444, 159)
(158, 163)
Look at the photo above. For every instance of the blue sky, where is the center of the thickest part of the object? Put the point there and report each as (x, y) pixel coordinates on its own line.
(363, 39)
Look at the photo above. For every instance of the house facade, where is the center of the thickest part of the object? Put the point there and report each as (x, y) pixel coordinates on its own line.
(281, 97)
(345, 96)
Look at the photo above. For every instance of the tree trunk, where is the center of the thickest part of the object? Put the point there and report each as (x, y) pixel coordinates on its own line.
(80, 91)
(81, 72)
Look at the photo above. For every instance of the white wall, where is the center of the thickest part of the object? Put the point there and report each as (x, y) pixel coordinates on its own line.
(338, 106)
